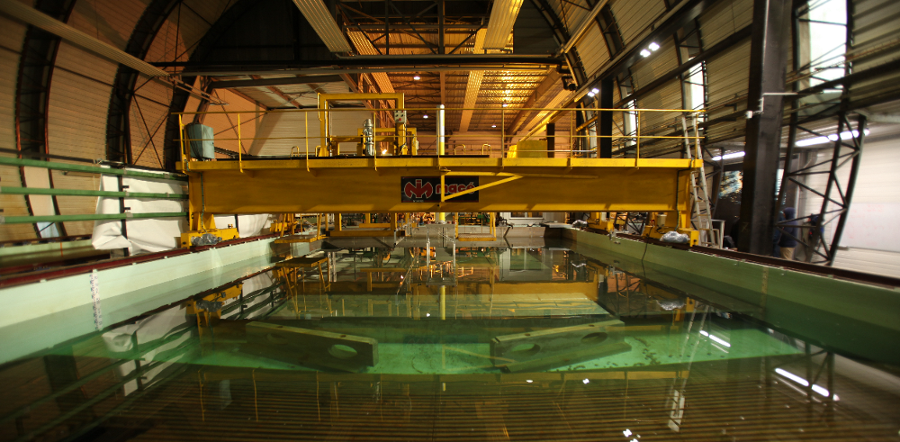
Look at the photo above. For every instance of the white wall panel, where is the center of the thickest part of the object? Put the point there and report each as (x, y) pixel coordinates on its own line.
(281, 131)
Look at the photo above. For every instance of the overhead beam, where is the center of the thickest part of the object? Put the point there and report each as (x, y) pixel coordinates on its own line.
(29, 15)
(228, 84)
(363, 61)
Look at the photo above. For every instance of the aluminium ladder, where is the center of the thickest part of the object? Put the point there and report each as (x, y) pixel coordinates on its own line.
(701, 217)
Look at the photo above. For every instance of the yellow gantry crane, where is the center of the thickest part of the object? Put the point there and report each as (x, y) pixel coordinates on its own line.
(405, 181)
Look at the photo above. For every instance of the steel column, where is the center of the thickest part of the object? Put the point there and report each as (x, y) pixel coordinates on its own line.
(768, 59)
(605, 122)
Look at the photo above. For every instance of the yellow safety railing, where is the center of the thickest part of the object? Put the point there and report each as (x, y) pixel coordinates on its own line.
(538, 119)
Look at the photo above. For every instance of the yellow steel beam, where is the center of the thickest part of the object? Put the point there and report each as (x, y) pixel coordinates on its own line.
(481, 187)
(352, 185)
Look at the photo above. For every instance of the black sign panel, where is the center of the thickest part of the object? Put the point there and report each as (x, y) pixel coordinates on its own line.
(427, 189)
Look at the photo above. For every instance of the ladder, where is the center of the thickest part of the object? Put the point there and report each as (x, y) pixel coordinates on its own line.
(701, 216)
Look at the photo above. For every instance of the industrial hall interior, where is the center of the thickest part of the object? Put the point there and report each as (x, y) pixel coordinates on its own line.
(449, 220)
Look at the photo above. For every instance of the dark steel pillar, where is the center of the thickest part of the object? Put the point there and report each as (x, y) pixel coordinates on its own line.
(551, 139)
(605, 121)
(768, 59)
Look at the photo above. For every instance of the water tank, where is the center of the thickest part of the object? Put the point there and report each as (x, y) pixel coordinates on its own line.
(201, 143)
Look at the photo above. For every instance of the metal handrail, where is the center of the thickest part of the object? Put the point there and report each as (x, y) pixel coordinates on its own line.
(505, 139)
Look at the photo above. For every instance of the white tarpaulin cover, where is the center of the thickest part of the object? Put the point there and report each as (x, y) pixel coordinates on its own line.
(144, 235)
(157, 234)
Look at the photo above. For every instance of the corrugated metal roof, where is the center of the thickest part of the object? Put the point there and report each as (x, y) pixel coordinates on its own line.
(633, 16)
(592, 50)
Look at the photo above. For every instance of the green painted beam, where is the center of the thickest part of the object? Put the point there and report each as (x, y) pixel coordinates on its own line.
(90, 169)
(78, 192)
(47, 252)
(88, 217)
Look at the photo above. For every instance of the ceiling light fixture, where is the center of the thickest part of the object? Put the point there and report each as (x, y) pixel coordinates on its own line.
(595, 91)
(493, 125)
(505, 104)
(653, 46)
(728, 156)
(830, 138)
(425, 116)
(416, 77)
(645, 53)
(591, 94)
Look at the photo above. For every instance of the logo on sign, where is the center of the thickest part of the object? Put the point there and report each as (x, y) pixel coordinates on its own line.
(428, 189)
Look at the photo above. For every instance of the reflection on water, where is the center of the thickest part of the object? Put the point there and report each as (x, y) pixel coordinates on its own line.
(436, 340)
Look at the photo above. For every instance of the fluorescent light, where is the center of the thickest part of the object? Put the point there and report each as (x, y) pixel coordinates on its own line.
(493, 125)
(729, 156)
(792, 377)
(529, 381)
(831, 138)
(645, 53)
(425, 116)
(653, 46)
(818, 389)
(595, 90)
(416, 77)
(822, 391)
(719, 340)
(715, 338)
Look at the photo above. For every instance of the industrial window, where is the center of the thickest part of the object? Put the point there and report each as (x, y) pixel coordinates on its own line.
(689, 44)
(695, 87)
(826, 22)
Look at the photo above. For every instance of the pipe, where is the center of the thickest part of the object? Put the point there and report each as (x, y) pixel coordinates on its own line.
(78, 192)
(7, 161)
(88, 217)
(31, 16)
